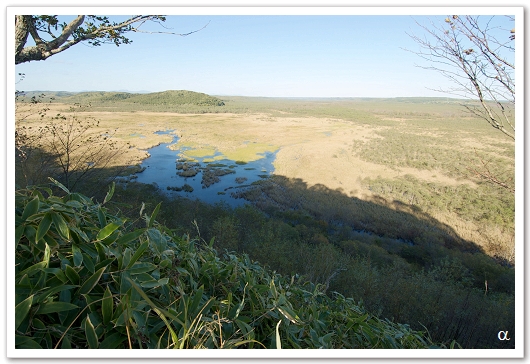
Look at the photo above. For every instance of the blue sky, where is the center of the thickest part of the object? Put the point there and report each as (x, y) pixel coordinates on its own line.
(253, 55)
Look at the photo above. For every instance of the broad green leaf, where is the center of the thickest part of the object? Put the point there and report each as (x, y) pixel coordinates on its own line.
(111, 238)
(74, 203)
(61, 225)
(91, 282)
(33, 269)
(78, 256)
(150, 284)
(60, 185)
(192, 308)
(19, 231)
(112, 341)
(101, 251)
(35, 217)
(109, 194)
(153, 215)
(104, 263)
(19, 339)
(44, 226)
(72, 275)
(89, 264)
(141, 249)
(107, 306)
(143, 277)
(130, 236)
(288, 314)
(31, 208)
(163, 281)
(50, 241)
(166, 263)
(102, 217)
(141, 267)
(30, 233)
(107, 230)
(90, 333)
(51, 307)
(51, 291)
(158, 240)
(160, 312)
(29, 344)
(21, 311)
(66, 343)
(126, 258)
(79, 233)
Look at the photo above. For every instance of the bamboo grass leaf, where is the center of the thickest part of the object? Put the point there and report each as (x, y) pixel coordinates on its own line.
(151, 219)
(72, 275)
(52, 307)
(44, 226)
(60, 185)
(130, 237)
(90, 334)
(31, 208)
(61, 225)
(102, 218)
(77, 255)
(32, 270)
(107, 230)
(91, 282)
(109, 194)
(141, 249)
(19, 232)
(22, 310)
(107, 306)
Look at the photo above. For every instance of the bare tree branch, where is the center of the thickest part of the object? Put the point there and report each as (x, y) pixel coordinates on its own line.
(468, 52)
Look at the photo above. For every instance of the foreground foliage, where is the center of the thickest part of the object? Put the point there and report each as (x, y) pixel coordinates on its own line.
(425, 285)
(86, 278)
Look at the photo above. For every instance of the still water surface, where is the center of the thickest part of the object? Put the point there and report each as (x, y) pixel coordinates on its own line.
(161, 169)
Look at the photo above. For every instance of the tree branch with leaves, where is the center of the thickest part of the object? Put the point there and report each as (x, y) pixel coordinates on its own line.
(91, 29)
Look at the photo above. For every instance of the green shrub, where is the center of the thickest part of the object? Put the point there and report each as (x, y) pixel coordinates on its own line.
(84, 278)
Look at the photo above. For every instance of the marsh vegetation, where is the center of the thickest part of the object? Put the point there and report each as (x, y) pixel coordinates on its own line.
(375, 199)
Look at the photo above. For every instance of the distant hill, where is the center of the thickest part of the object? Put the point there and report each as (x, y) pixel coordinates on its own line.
(165, 98)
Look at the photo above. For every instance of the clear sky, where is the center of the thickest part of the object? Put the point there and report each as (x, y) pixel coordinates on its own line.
(288, 55)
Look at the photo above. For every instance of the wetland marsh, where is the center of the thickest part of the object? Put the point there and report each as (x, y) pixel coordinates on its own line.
(373, 198)
(407, 152)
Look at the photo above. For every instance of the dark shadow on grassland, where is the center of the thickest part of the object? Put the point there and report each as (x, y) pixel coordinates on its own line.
(35, 167)
(441, 285)
(376, 216)
(399, 229)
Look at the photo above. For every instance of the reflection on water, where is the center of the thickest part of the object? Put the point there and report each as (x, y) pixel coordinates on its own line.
(208, 181)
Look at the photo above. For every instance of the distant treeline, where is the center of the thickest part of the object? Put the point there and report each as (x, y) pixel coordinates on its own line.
(100, 98)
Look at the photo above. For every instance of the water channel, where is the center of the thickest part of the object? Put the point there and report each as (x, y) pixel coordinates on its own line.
(211, 182)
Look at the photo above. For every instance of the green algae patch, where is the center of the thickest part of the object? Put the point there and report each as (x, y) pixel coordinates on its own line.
(250, 152)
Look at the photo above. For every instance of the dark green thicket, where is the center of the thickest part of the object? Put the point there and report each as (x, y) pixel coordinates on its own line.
(446, 296)
(88, 278)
